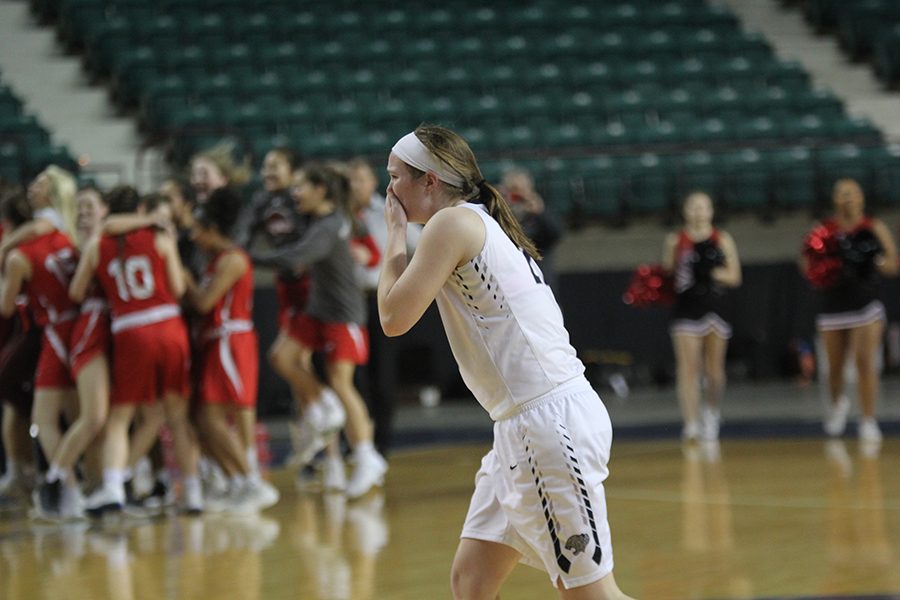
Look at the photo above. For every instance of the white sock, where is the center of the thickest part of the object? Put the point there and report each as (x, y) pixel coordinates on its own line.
(253, 463)
(55, 473)
(113, 478)
(12, 467)
(364, 448)
(192, 486)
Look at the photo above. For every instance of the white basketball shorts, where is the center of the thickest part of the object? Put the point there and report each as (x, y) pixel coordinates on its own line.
(540, 488)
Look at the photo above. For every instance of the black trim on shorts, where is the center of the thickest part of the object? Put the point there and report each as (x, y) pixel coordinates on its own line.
(564, 563)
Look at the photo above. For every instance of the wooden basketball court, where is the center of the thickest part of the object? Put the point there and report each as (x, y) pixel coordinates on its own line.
(784, 518)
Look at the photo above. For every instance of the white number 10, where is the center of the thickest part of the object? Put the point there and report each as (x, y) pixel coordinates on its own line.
(135, 281)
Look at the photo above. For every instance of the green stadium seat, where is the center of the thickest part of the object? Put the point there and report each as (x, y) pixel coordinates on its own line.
(855, 127)
(688, 69)
(602, 186)
(697, 171)
(517, 137)
(804, 127)
(746, 179)
(885, 161)
(886, 58)
(24, 129)
(793, 177)
(11, 168)
(816, 101)
(565, 135)
(748, 45)
(844, 161)
(758, 128)
(592, 75)
(650, 178)
(633, 73)
(714, 129)
(558, 184)
(475, 136)
(254, 29)
(788, 74)
(722, 102)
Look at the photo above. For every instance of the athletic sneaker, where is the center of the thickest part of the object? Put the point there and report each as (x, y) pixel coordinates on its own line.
(105, 501)
(368, 472)
(307, 442)
(267, 494)
(71, 506)
(709, 423)
(243, 499)
(48, 498)
(143, 480)
(334, 477)
(192, 501)
(869, 430)
(160, 496)
(333, 416)
(690, 432)
(836, 417)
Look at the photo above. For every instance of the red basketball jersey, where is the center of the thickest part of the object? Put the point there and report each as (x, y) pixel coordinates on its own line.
(233, 312)
(132, 274)
(53, 259)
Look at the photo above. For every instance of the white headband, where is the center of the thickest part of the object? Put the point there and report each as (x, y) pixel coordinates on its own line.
(414, 153)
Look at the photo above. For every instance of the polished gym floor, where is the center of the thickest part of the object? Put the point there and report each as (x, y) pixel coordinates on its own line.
(773, 511)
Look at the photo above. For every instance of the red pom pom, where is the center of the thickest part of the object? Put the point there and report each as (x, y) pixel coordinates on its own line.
(823, 258)
(650, 285)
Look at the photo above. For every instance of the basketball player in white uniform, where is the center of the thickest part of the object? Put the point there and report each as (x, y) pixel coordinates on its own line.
(539, 495)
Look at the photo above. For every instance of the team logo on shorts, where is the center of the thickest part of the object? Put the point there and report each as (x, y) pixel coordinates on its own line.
(577, 543)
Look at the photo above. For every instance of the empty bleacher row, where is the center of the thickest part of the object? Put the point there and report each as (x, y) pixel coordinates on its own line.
(26, 146)
(868, 30)
(617, 107)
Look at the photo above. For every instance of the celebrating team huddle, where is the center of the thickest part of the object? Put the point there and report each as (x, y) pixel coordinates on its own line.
(136, 314)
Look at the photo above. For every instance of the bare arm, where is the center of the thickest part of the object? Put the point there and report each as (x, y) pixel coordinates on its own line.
(229, 270)
(668, 254)
(165, 245)
(84, 273)
(124, 223)
(728, 274)
(18, 270)
(405, 289)
(887, 262)
(24, 233)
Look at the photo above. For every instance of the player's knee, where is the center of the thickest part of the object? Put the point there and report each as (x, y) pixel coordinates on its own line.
(277, 359)
(94, 421)
(466, 586)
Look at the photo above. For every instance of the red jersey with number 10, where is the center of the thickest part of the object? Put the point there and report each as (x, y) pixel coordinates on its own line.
(53, 259)
(132, 273)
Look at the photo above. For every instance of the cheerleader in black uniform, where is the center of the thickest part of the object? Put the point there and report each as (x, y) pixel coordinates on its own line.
(704, 263)
(851, 317)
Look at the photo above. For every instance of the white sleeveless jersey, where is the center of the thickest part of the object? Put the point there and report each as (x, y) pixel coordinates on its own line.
(504, 325)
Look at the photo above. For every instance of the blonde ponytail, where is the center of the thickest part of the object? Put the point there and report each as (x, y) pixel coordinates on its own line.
(63, 189)
(453, 150)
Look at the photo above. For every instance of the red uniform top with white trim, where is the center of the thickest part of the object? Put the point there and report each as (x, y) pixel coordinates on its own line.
(233, 312)
(53, 259)
(132, 273)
